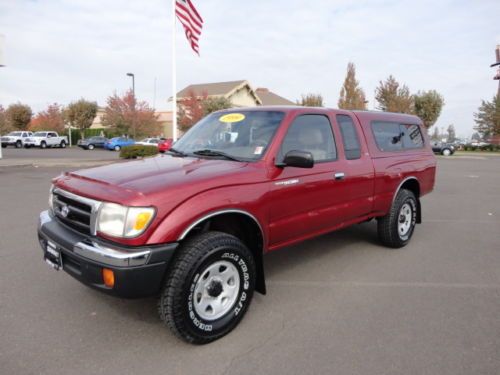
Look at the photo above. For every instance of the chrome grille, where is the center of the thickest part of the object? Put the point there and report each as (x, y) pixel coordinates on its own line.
(77, 212)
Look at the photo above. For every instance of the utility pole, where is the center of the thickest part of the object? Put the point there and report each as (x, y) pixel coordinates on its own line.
(133, 93)
(497, 63)
(2, 41)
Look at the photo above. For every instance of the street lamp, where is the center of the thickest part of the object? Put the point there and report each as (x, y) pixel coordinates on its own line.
(133, 93)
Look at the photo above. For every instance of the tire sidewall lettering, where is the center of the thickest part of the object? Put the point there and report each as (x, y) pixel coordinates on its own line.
(241, 265)
(413, 205)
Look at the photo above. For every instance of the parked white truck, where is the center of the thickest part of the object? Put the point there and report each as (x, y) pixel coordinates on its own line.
(44, 139)
(16, 139)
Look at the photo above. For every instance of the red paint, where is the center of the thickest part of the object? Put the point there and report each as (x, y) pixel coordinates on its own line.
(186, 189)
(165, 144)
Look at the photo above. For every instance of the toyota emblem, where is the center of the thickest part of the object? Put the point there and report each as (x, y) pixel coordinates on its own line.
(65, 211)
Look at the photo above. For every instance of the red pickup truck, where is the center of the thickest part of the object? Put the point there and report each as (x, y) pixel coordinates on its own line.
(192, 225)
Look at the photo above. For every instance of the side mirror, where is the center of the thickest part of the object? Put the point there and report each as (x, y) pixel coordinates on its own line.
(298, 159)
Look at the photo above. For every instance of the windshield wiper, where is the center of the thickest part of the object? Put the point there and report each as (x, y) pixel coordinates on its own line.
(176, 152)
(208, 152)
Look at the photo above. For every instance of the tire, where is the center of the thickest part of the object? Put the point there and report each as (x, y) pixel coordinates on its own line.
(189, 302)
(396, 228)
(117, 148)
(62, 144)
(446, 152)
(43, 144)
(90, 147)
(4, 145)
(19, 144)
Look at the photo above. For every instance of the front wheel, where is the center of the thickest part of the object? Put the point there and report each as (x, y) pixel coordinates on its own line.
(4, 145)
(446, 152)
(63, 144)
(396, 228)
(209, 287)
(90, 147)
(117, 148)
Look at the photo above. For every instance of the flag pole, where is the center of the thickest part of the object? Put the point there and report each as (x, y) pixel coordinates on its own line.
(174, 78)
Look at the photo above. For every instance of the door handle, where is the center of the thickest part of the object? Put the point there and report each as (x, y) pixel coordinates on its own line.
(339, 175)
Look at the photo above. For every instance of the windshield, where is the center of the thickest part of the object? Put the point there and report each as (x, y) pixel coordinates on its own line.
(244, 135)
(40, 134)
(15, 134)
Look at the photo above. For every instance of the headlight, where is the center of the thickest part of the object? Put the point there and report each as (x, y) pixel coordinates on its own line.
(51, 198)
(121, 221)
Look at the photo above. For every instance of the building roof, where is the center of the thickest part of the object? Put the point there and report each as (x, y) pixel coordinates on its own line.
(215, 88)
(270, 98)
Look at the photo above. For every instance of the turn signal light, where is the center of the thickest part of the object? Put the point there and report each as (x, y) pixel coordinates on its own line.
(108, 277)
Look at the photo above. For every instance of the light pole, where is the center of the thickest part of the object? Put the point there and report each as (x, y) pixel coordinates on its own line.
(2, 39)
(133, 107)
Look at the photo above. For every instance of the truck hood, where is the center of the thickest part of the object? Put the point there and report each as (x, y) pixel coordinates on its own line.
(140, 180)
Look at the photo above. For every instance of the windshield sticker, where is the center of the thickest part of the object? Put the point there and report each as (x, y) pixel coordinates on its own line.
(258, 150)
(232, 117)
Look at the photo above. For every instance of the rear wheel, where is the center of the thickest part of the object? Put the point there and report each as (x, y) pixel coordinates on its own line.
(396, 228)
(4, 145)
(19, 144)
(43, 144)
(209, 287)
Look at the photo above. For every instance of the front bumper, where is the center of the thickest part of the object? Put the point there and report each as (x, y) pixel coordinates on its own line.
(138, 271)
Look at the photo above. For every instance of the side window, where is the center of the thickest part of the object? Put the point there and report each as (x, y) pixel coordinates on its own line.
(388, 135)
(25, 135)
(312, 133)
(349, 137)
(412, 137)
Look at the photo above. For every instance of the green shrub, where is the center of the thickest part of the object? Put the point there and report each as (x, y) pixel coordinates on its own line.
(137, 151)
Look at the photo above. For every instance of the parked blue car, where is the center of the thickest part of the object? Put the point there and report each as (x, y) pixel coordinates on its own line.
(118, 142)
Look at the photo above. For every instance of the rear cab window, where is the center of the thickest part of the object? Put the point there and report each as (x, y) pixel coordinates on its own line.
(350, 137)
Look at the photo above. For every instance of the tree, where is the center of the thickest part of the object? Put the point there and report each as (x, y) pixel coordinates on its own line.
(311, 100)
(18, 116)
(451, 133)
(125, 115)
(210, 105)
(49, 119)
(428, 106)
(191, 110)
(351, 95)
(487, 118)
(435, 134)
(80, 114)
(392, 97)
(476, 136)
(4, 127)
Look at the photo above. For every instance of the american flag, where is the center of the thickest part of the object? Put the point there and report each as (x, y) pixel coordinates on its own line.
(191, 20)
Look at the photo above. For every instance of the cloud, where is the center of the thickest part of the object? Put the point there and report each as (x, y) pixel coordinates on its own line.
(58, 51)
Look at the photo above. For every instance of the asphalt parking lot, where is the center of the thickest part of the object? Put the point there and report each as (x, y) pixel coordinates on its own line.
(338, 304)
(53, 153)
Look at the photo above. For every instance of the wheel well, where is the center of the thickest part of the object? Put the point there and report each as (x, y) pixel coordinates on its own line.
(243, 227)
(414, 186)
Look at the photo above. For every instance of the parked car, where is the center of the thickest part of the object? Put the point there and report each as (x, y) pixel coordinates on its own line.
(165, 144)
(16, 139)
(149, 142)
(44, 139)
(443, 148)
(192, 226)
(92, 142)
(117, 143)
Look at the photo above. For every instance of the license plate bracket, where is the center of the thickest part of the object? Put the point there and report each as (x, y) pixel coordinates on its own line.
(52, 256)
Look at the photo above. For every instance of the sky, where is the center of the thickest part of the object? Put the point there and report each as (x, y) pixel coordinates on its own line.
(60, 51)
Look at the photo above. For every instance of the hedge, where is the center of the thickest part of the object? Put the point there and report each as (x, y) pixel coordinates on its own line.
(482, 148)
(137, 151)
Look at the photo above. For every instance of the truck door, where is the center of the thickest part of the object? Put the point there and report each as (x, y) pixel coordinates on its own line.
(359, 171)
(307, 201)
